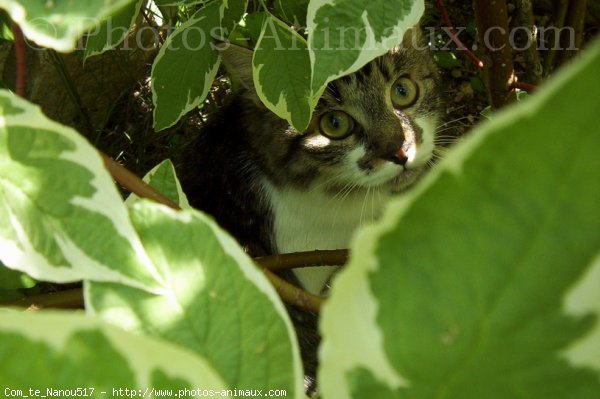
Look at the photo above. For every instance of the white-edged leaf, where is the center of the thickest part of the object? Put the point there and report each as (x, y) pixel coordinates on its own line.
(112, 31)
(164, 179)
(584, 299)
(483, 281)
(187, 64)
(60, 23)
(61, 217)
(216, 301)
(281, 70)
(185, 67)
(345, 35)
(71, 351)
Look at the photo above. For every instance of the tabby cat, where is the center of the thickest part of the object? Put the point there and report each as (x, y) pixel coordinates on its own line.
(278, 190)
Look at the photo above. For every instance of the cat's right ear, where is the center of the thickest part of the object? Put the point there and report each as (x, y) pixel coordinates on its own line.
(238, 60)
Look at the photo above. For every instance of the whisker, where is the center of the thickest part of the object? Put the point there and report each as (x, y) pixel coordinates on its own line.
(362, 209)
(462, 118)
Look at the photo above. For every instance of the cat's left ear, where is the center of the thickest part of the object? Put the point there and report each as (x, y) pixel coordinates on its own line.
(413, 37)
(238, 60)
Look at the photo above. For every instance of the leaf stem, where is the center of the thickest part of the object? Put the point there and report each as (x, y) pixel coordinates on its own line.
(21, 60)
(478, 63)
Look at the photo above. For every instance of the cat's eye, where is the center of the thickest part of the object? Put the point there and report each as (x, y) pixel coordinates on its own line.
(404, 92)
(336, 125)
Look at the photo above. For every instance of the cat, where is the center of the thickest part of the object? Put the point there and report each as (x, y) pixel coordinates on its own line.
(278, 190)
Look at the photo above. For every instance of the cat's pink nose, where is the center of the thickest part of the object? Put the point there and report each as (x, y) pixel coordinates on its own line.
(399, 157)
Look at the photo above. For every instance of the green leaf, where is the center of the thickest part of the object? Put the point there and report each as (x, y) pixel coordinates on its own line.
(447, 60)
(292, 11)
(61, 217)
(281, 69)
(187, 63)
(233, 12)
(487, 112)
(85, 357)
(185, 67)
(216, 301)
(112, 31)
(477, 84)
(254, 24)
(345, 35)
(5, 26)
(12, 279)
(59, 23)
(163, 178)
(483, 281)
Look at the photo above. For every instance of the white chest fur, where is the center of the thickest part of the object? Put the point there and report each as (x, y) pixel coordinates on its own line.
(312, 220)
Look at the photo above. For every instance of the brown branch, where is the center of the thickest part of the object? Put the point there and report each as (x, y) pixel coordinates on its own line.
(67, 299)
(21, 60)
(455, 38)
(492, 25)
(73, 299)
(336, 257)
(293, 295)
(134, 184)
(289, 293)
(524, 86)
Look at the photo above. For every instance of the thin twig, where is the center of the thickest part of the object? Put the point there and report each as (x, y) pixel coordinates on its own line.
(21, 60)
(528, 87)
(70, 299)
(336, 257)
(134, 184)
(293, 295)
(67, 299)
(452, 33)
(153, 26)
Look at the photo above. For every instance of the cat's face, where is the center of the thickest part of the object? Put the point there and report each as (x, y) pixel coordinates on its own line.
(371, 129)
(376, 127)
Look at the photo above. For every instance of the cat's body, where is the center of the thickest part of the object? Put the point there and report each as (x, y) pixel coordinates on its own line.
(278, 190)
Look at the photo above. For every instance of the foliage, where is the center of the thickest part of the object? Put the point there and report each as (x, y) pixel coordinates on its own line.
(59, 23)
(481, 282)
(129, 363)
(188, 62)
(170, 274)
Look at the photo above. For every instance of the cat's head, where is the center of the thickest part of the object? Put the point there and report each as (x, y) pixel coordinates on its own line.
(372, 128)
